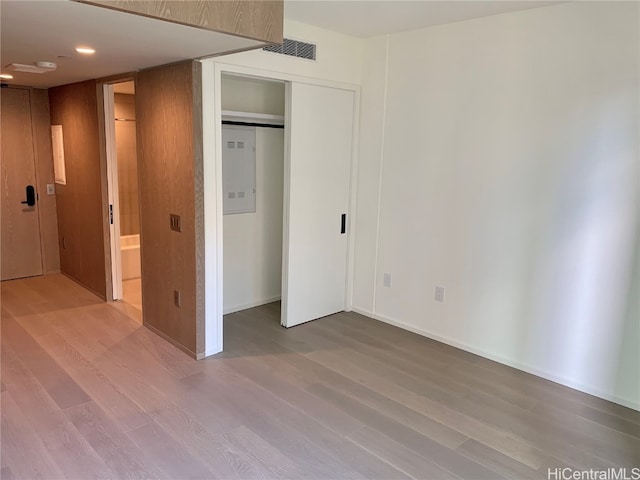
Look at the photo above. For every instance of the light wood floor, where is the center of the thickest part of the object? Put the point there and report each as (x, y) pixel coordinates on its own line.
(89, 393)
(132, 292)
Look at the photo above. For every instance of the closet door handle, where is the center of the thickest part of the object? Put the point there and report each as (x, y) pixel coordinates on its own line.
(31, 196)
(343, 224)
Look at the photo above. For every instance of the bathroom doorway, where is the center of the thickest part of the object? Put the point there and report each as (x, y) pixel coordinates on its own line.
(124, 205)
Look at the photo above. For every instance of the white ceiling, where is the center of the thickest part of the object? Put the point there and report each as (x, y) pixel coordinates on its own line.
(49, 30)
(368, 18)
(31, 31)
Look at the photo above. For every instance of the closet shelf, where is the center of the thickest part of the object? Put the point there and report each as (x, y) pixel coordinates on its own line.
(248, 117)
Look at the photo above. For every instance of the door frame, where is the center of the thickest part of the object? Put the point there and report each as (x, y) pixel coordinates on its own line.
(213, 218)
(113, 199)
(109, 174)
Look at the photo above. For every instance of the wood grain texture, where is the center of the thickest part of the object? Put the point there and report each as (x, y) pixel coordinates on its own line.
(80, 208)
(21, 243)
(168, 107)
(44, 174)
(257, 19)
(87, 392)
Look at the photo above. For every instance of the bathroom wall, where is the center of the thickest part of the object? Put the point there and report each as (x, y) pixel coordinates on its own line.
(125, 113)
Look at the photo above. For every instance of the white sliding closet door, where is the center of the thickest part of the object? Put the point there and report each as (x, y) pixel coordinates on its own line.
(317, 168)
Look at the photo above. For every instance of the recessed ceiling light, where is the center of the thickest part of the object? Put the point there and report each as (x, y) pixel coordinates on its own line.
(85, 50)
(6, 76)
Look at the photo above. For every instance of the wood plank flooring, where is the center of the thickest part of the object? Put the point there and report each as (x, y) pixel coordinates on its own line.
(87, 392)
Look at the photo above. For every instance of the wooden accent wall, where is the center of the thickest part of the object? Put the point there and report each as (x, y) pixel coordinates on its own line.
(79, 202)
(257, 19)
(169, 122)
(44, 175)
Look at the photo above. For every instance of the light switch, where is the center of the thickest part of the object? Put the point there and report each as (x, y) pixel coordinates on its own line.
(51, 189)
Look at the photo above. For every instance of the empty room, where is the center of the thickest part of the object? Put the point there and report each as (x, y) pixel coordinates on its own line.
(321, 239)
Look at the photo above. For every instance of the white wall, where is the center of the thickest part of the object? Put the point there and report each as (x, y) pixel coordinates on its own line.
(252, 255)
(508, 153)
(339, 57)
(242, 94)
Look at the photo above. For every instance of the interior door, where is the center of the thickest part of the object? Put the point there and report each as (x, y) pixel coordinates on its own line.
(21, 255)
(317, 169)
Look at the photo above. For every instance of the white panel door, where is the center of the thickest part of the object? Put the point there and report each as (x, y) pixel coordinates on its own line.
(317, 168)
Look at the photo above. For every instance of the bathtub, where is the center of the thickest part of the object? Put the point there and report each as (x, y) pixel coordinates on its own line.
(130, 256)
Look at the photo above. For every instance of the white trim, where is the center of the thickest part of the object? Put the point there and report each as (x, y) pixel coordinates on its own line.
(212, 179)
(565, 381)
(256, 303)
(379, 206)
(262, 74)
(353, 201)
(112, 189)
(231, 116)
(286, 189)
(362, 311)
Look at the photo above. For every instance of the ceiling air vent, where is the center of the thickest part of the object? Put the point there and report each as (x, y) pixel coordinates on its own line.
(294, 48)
(37, 67)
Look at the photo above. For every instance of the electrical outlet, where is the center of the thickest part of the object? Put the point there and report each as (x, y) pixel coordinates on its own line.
(386, 280)
(177, 298)
(439, 294)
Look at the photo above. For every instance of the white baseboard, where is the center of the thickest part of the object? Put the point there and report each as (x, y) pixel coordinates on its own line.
(567, 382)
(257, 303)
(364, 312)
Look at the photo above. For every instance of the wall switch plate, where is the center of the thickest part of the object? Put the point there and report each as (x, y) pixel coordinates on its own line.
(386, 280)
(439, 294)
(51, 189)
(177, 298)
(176, 222)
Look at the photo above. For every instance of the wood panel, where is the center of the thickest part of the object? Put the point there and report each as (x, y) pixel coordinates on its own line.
(87, 392)
(44, 173)
(168, 109)
(256, 19)
(80, 211)
(21, 252)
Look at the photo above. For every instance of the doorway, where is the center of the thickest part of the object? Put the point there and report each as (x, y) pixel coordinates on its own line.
(252, 184)
(21, 236)
(124, 205)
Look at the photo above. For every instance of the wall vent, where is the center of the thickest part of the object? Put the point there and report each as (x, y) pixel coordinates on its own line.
(294, 48)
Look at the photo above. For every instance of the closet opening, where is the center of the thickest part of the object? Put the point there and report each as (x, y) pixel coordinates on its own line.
(252, 185)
